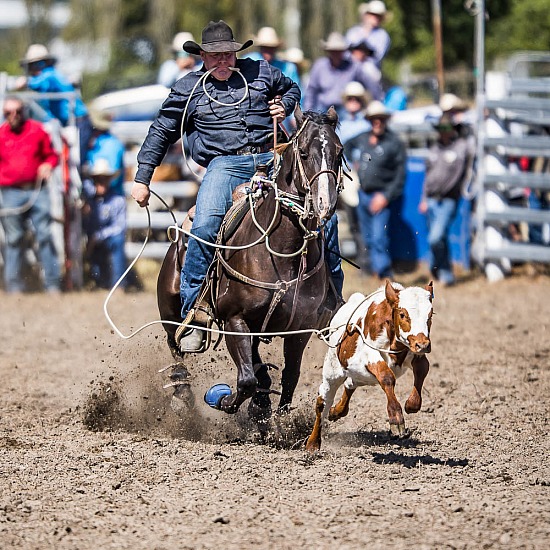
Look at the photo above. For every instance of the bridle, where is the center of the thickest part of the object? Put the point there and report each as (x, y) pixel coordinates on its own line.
(307, 182)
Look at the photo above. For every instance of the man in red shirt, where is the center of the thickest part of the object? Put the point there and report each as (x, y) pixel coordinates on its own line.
(27, 159)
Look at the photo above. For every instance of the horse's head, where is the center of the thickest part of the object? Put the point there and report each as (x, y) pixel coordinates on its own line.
(318, 157)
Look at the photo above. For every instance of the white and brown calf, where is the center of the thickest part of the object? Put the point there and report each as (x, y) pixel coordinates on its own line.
(375, 339)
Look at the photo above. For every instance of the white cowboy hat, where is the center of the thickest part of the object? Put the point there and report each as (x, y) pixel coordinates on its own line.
(35, 53)
(377, 109)
(267, 36)
(294, 55)
(451, 102)
(355, 89)
(335, 43)
(180, 39)
(101, 167)
(377, 7)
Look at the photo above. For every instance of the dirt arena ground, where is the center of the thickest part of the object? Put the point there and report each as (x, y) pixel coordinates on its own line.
(93, 456)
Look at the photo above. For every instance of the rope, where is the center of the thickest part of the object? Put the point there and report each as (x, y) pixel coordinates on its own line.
(203, 80)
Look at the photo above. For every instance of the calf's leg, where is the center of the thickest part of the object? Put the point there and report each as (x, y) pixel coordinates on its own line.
(386, 379)
(327, 391)
(341, 409)
(420, 366)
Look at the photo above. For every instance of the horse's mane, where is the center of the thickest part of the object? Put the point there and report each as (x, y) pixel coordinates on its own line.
(318, 118)
(315, 117)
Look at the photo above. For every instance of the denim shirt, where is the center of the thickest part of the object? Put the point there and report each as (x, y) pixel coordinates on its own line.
(212, 129)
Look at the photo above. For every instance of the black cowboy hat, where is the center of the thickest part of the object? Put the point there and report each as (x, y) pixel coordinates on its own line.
(216, 37)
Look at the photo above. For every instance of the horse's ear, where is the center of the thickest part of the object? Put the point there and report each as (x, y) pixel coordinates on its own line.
(298, 115)
(332, 115)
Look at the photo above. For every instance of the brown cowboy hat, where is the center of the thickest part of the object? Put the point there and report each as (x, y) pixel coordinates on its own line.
(216, 37)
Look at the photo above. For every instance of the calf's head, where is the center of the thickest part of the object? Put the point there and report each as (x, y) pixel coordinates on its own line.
(412, 315)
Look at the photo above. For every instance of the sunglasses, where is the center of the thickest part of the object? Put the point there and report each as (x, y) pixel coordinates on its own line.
(13, 112)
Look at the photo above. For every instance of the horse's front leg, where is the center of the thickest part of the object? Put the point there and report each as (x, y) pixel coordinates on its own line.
(420, 366)
(294, 347)
(240, 349)
(259, 407)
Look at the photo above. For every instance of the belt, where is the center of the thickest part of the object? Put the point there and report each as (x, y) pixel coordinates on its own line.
(254, 149)
(25, 186)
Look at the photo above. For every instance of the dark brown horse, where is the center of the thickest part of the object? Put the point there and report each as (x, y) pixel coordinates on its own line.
(282, 283)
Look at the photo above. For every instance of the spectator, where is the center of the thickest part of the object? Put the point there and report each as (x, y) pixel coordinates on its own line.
(370, 30)
(353, 121)
(27, 159)
(363, 55)
(105, 145)
(296, 56)
(330, 74)
(381, 169)
(447, 168)
(180, 64)
(44, 78)
(104, 218)
(269, 43)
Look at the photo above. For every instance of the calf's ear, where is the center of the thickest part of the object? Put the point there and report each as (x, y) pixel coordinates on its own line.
(392, 295)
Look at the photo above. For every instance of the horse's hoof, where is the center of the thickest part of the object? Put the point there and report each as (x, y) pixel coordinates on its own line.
(213, 397)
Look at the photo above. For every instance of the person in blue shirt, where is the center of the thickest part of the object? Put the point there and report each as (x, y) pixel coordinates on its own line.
(105, 145)
(104, 216)
(44, 78)
(269, 43)
(180, 64)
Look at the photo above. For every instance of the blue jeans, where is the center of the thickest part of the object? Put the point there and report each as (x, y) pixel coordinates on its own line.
(108, 261)
(222, 176)
(440, 215)
(374, 230)
(15, 227)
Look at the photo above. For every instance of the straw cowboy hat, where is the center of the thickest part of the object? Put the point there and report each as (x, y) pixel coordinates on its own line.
(377, 7)
(451, 102)
(267, 36)
(355, 89)
(180, 39)
(101, 167)
(217, 37)
(377, 109)
(35, 53)
(334, 43)
(101, 120)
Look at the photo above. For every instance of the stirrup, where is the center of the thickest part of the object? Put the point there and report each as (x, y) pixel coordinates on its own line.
(199, 316)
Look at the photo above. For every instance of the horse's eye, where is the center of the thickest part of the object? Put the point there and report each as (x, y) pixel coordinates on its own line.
(402, 315)
(303, 154)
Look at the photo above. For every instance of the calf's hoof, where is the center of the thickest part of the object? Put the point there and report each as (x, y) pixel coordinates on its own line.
(398, 430)
(313, 445)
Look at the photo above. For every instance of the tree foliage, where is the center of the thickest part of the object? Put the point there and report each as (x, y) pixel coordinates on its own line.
(140, 31)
